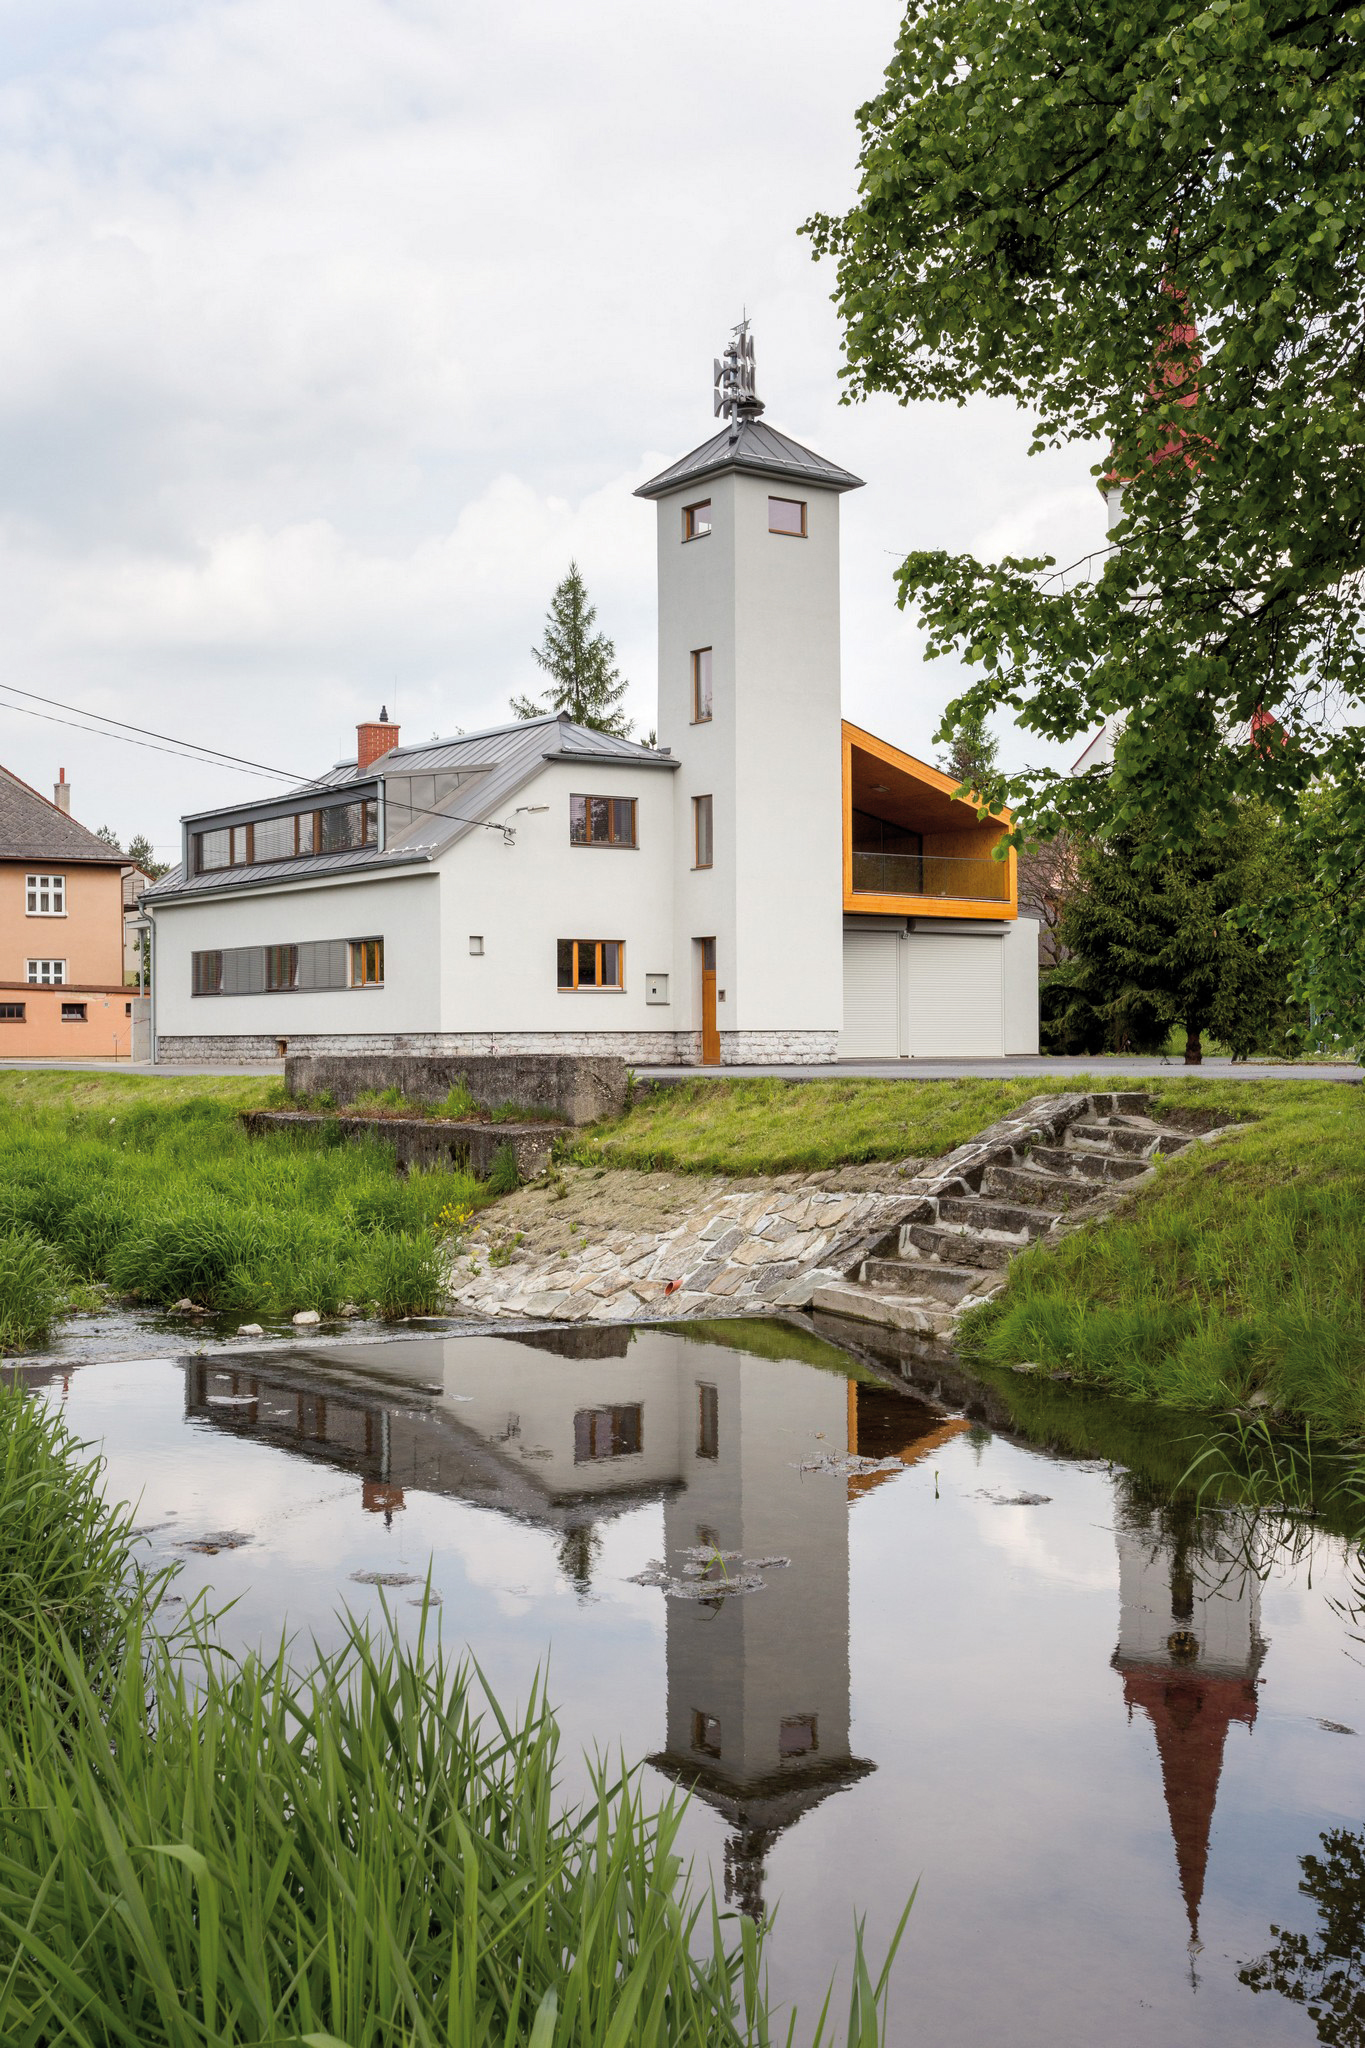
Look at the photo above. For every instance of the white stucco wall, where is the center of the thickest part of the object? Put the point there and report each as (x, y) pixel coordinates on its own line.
(768, 606)
(401, 908)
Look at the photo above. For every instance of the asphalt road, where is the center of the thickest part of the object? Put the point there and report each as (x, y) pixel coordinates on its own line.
(1106, 1071)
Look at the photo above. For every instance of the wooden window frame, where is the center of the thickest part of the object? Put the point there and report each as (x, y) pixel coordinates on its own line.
(368, 807)
(36, 886)
(74, 1013)
(359, 951)
(785, 532)
(631, 845)
(13, 1013)
(698, 864)
(690, 529)
(700, 717)
(598, 987)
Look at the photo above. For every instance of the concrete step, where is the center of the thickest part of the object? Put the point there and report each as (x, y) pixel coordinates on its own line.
(863, 1305)
(957, 1247)
(987, 1215)
(1048, 1195)
(1086, 1165)
(921, 1276)
(1139, 1139)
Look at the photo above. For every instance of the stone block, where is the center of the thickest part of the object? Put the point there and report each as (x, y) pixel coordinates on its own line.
(573, 1088)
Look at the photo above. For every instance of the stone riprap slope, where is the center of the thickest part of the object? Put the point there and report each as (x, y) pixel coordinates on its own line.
(907, 1244)
(609, 1246)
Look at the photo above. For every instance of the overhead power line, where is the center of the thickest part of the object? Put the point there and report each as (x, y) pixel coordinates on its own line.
(188, 749)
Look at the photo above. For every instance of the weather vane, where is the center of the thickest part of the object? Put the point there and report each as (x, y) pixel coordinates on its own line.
(735, 397)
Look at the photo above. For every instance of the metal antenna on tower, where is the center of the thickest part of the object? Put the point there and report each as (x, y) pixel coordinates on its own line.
(736, 398)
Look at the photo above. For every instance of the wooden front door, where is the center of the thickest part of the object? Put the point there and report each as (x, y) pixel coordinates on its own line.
(710, 1030)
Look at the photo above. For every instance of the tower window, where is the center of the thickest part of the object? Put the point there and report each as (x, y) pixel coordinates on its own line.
(701, 817)
(602, 821)
(787, 515)
(798, 1735)
(697, 520)
(705, 1733)
(701, 685)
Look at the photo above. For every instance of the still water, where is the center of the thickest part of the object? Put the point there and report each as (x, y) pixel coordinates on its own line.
(1100, 1733)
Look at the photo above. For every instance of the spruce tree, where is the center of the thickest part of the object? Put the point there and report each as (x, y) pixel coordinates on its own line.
(581, 665)
(970, 758)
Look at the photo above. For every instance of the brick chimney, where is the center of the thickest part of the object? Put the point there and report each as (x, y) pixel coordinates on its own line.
(61, 792)
(374, 740)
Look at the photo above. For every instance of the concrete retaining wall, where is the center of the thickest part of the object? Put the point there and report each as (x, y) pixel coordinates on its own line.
(567, 1087)
(423, 1141)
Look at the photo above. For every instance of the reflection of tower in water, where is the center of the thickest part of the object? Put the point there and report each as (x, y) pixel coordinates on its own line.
(1189, 1650)
(759, 1683)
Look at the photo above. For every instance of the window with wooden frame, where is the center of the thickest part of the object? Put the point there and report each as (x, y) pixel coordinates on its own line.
(705, 1733)
(73, 1013)
(336, 828)
(12, 1013)
(798, 1735)
(697, 520)
(602, 821)
(45, 895)
(708, 1420)
(281, 967)
(608, 1433)
(367, 963)
(787, 515)
(45, 973)
(701, 686)
(701, 831)
(591, 963)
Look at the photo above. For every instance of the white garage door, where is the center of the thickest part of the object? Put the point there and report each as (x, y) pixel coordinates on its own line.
(871, 987)
(957, 996)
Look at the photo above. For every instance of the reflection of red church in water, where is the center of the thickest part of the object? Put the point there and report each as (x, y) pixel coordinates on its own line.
(1189, 1650)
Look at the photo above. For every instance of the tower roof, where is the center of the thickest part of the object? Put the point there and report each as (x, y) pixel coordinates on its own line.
(758, 450)
(1191, 1715)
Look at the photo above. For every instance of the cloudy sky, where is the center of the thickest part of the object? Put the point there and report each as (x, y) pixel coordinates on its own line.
(329, 334)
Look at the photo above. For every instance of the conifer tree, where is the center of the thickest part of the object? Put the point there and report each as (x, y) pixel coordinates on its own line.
(581, 664)
(970, 758)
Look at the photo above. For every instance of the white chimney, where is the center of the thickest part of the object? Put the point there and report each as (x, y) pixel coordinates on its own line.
(61, 792)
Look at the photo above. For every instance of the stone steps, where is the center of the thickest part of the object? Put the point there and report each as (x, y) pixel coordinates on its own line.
(1053, 1165)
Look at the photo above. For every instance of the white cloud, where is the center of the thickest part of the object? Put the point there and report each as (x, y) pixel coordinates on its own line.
(328, 339)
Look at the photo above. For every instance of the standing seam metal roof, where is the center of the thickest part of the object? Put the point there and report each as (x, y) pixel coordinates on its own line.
(758, 448)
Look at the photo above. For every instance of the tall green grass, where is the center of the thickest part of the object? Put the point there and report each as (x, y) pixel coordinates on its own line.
(196, 1853)
(1236, 1277)
(165, 1200)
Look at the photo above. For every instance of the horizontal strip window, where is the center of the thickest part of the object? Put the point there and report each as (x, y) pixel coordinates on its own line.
(45, 895)
(591, 963)
(12, 1013)
(602, 821)
(274, 970)
(45, 973)
(339, 828)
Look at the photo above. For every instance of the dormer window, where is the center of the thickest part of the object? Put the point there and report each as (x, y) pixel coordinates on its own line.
(787, 515)
(697, 520)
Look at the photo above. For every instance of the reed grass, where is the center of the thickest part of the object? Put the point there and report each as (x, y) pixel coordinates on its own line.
(162, 1200)
(199, 1853)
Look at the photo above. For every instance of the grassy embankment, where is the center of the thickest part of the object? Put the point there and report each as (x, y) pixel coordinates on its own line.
(151, 1188)
(348, 1856)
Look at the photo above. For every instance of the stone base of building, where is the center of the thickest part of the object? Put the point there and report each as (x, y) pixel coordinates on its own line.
(638, 1048)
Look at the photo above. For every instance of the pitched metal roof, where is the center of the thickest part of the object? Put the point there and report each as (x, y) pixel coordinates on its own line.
(758, 449)
(498, 762)
(31, 828)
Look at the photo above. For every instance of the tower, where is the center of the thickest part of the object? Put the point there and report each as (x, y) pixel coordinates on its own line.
(748, 538)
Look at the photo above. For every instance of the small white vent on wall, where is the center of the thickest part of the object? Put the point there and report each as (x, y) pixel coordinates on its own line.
(475, 943)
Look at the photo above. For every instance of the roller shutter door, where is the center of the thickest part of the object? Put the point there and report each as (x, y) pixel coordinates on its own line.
(957, 997)
(871, 996)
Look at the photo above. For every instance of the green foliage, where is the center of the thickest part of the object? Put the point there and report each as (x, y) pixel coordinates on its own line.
(581, 665)
(1238, 1275)
(66, 1565)
(34, 1288)
(141, 854)
(202, 1852)
(171, 1198)
(1142, 225)
(1155, 943)
(771, 1126)
(459, 1104)
(972, 751)
(504, 1175)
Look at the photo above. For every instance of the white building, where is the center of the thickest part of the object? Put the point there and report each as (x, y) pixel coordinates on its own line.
(768, 884)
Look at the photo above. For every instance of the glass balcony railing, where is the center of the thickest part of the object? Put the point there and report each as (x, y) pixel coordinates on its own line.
(979, 880)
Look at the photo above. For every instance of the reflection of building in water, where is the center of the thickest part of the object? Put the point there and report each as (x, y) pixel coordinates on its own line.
(1189, 1650)
(758, 1683)
(565, 1428)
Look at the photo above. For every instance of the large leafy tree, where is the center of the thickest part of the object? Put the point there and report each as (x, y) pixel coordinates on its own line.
(1142, 221)
(1324, 1972)
(581, 665)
